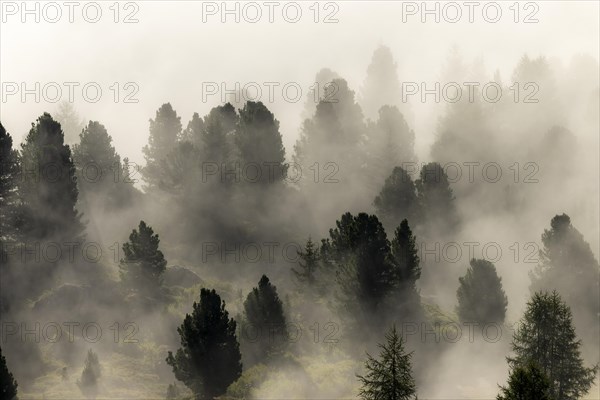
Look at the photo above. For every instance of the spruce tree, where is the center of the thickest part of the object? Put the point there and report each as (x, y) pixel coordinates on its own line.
(390, 376)
(436, 200)
(209, 359)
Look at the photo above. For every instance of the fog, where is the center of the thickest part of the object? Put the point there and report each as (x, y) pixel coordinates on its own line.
(348, 110)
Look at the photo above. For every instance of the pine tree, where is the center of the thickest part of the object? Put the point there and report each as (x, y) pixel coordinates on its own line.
(9, 172)
(70, 121)
(390, 377)
(259, 144)
(569, 266)
(209, 359)
(308, 262)
(382, 86)
(480, 294)
(143, 263)
(397, 199)
(436, 200)
(526, 383)
(165, 130)
(359, 250)
(88, 384)
(546, 337)
(8, 384)
(264, 313)
(48, 189)
(391, 143)
(405, 255)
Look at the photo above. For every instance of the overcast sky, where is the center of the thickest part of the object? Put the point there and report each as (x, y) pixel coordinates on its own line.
(170, 52)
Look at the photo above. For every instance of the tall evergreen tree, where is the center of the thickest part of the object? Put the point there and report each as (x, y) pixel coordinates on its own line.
(48, 189)
(390, 377)
(397, 199)
(100, 171)
(259, 144)
(546, 337)
(70, 121)
(405, 256)
(436, 200)
(391, 143)
(264, 313)
(143, 263)
(359, 249)
(480, 294)
(8, 384)
(569, 266)
(9, 173)
(308, 262)
(526, 382)
(165, 130)
(381, 86)
(209, 359)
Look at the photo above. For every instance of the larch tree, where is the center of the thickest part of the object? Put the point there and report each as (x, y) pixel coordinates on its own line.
(390, 376)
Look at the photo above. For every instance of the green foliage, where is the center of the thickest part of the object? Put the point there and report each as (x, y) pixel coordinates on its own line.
(165, 129)
(209, 359)
(389, 377)
(250, 380)
(48, 193)
(526, 382)
(264, 313)
(480, 294)
(308, 262)
(259, 143)
(397, 199)
(143, 263)
(8, 385)
(406, 256)
(546, 337)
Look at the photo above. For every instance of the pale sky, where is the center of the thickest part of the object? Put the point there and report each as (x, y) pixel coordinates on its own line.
(170, 52)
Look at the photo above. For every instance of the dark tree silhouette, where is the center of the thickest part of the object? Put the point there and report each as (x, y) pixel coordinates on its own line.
(546, 337)
(48, 192)
(259, 144)
(165, 130)
(436, 200)
(209, 359)
(8, 384)
(397, 199)
(390, 377)
(526, 382)
(143, 263)
(480, 294)
(308, 262)
(264, 313)
(359, 248)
